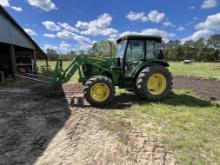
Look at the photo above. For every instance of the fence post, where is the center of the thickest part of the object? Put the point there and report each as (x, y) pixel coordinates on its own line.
(2, 77)
(13, 61)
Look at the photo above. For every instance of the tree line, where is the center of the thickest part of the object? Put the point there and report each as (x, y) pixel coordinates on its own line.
(200, 50)
(99, 49)
(174, 50)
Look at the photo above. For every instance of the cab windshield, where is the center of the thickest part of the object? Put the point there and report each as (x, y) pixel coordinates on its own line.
(121, 49)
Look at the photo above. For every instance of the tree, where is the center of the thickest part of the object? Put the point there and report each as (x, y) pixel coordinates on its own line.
(199, 50)
(214, 41)
(200, 43)
(172, 44)
(171, 48)
(189, 43)
(199, 46)
(68, 56)
(103, 49)
(52, 54)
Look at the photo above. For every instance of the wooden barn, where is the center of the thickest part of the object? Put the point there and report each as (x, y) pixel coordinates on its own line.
(18, 51)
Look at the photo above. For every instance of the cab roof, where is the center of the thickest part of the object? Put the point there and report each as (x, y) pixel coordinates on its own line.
(139, 37)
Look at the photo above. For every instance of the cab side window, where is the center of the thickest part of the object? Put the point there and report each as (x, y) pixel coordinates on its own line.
(151, 50)
(136, 50)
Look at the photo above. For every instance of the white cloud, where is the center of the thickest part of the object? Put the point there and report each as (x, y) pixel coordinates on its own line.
(19, 9)
(195, 18)
(207, 4)
(65, 35)
(211, 22)
(168, 24)
(190, 23)
(30, 32)
(192, 7)
(50, 25)
(137, 16)
(198, 34)
(67, 27)
(99, 26)
(48, 46)
(46, 5)
(5, 3)
(181, 28)
(153, 16)
(152, 32)
(49, 35)
(65, 32)
(70, 35)
(157, 32)
(64, 46)
(101, 22)
(156, 16)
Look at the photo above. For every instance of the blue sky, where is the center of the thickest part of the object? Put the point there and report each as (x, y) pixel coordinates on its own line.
(77, 24)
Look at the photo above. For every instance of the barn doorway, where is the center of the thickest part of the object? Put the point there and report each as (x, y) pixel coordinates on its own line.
(5, 61)
(25, 60)
(16, 59)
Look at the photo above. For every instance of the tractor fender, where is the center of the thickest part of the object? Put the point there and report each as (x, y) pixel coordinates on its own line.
(143, 65)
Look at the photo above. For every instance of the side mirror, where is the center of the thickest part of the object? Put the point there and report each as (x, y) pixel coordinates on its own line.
(119, 61)
(111, 46)
(161, 55)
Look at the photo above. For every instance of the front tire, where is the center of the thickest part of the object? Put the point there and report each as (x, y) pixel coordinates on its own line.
(154, 83)
(99, 91)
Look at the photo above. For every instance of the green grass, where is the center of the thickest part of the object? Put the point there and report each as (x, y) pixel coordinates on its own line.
(65, 65)
(204, 70)
(185, 124)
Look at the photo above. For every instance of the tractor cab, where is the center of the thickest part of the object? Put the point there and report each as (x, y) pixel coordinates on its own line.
(134, 51)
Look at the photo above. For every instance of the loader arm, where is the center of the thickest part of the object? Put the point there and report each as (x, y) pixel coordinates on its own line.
(62, 76)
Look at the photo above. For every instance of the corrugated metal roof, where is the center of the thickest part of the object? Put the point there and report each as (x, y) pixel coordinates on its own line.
(29, 42)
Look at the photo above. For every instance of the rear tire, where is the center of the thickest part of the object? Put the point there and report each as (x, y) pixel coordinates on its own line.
(99, 91)
(154, 83)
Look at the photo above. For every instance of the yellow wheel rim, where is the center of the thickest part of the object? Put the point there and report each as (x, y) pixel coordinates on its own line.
(156, 84)
(99, 92)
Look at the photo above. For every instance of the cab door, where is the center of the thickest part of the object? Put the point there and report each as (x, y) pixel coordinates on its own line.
(135, 54)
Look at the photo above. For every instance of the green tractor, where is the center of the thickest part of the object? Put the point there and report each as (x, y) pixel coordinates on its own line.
(138, 67)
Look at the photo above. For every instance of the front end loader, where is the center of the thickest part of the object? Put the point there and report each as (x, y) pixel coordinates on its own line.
(138, 67)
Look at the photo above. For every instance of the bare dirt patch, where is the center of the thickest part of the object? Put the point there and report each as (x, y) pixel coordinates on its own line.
(207, 89)
(38, 127)
(88, 141)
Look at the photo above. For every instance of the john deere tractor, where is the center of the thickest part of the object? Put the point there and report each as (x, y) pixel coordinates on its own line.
(138, 67)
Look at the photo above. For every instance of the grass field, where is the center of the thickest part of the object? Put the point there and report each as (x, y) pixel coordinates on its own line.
(184, 123)
(204, 70)
(65, 65)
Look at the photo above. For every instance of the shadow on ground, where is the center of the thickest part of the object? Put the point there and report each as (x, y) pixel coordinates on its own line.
(173, 99)
(29, 121)
(124, 101)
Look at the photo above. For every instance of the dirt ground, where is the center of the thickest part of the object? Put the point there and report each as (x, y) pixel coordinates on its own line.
(207, 89)
(42, 125)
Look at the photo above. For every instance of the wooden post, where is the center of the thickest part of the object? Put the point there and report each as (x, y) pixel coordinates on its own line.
(47, 64)
(35, 62)
(2, 77)
(13, 61)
